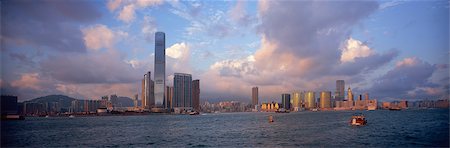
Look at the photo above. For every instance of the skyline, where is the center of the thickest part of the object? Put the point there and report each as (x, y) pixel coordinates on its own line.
(390, 49)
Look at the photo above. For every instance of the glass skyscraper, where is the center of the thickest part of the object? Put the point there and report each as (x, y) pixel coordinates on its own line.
(340, 88)
(182, 90)
(160, 69)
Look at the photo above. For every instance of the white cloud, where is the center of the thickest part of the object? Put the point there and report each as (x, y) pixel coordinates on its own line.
(28, 80)
(113, 4)
(127, 13)
(354, 49)
(98, 36)
(177, 50)
(146, 3)
(407, 62)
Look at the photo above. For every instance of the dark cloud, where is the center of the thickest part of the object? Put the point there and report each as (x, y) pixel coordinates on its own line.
(46, 23)
(398, 81)
(312, 28)
(93, 68)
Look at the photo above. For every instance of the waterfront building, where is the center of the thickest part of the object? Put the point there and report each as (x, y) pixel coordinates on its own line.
(350, 97)
(135, 101)
(310, 100)
(160, 70)
(296, 102)
(254, 96)
(148, 99)
(9, 105)
(286, 101)
(403, 104)
(269, 107)
(169, 96)
(182, 90)
(340, 90)
(366, 96)
(325, 99)
(196, 95)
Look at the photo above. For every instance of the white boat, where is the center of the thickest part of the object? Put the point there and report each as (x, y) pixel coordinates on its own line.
(71, 116)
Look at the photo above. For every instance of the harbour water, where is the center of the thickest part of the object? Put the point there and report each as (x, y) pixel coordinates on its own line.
(416, 128)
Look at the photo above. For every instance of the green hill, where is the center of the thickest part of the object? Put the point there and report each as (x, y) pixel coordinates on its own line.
(64, 101)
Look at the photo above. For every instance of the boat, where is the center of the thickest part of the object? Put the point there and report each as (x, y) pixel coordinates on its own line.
(47, 116)
(314, 109)
(395, 108)
(194, 113)
(270, 118)
(358, 120)
(12, 117)
(282, 110)
(71, 116)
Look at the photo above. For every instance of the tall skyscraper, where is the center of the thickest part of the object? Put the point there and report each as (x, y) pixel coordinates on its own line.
(182, 90)
(340, 90)
(196, 95)
(160, 69)
(310, 100)
(350, 96)
(296, 102)
(286, 101)
(148, 95)
(325, 99)
(254, 96)
(135, 101)
(169, 96)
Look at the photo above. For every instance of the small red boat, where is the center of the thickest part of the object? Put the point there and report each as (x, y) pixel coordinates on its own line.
(358, 120)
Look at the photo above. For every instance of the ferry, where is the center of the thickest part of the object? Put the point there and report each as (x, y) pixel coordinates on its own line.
(358, 120)
(270, 118)
(194, 113)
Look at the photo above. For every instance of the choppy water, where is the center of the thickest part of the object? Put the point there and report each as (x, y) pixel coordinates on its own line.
(417, 128)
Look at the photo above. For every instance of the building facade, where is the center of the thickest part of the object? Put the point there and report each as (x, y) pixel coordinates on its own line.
(286, 101)
(196, 95)
(340, 90)
(182, 90)
(310, 100)
(160, 69)
(296, 101)
(325, 100)
(254, 96)
(169, 96)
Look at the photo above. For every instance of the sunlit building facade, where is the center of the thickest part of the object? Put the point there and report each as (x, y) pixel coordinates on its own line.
(160, 69)
(296, 102)
(325, 100)
(310, 100)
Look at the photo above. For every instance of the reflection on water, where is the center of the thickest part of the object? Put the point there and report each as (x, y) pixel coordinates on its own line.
(331, 129)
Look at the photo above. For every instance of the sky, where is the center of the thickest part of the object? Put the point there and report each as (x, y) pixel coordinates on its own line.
(394, 50)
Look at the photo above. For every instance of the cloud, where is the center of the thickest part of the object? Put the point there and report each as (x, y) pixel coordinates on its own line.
(300, 49)
(239, 14)
(98, 36)
(354, 49)
(177, 50)
(404, 78)
(28, 80)
(149, 28)
(127, 13)
(46, 24)
(113, 4)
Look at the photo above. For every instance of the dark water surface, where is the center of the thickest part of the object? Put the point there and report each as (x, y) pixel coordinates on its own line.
(412, 128)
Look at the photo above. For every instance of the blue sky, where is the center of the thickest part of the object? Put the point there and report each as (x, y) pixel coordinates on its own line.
(86, 49)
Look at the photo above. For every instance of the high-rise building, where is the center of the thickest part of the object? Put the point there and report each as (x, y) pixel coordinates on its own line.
(196, 95)
(160, 69)
(286, 101)
(325, 99)
(350, 97)
(296, 102)
(340, 88)
(169, 96)
(366, 96)
(135, 101)
(182, 90)
(310, 100)
(254, 96)
(143, 93)
(148, 96)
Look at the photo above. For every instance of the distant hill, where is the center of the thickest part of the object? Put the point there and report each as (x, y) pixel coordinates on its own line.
(64, 101)
(125, 102)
